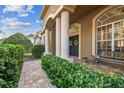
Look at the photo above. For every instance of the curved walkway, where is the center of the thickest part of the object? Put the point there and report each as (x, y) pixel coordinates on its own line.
(33, 76)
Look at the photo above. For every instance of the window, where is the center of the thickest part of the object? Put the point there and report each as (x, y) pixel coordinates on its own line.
(104, 40)
(110, 34)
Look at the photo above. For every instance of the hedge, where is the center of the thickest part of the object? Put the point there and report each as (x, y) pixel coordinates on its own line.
(11, 58)
(19, 39)
(38, 50)
(64, 74)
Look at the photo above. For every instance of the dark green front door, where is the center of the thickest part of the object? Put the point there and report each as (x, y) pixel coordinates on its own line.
(74, 45)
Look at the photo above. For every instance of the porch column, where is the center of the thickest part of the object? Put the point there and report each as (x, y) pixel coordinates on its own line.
(43, 40)
(58, 36)
(64, 34)
(46, 41)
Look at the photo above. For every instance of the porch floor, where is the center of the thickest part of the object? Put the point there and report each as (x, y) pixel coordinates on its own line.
(104, 67)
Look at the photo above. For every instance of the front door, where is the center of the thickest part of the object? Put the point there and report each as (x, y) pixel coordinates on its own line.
(74, 46)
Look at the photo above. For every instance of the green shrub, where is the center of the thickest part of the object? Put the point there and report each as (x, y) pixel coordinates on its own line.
(11, 58)
(38, 50)
(19, 39)
(64, 74)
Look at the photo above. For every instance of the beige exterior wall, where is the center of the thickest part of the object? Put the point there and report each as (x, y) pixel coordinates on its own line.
(51, 9)
(86, 33)
(53, 43)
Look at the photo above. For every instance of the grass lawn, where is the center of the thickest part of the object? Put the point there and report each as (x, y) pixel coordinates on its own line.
(28, 54)
(28, 57)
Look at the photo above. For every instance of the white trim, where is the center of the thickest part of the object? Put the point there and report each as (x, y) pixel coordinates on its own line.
(110, 23)
(113, 32)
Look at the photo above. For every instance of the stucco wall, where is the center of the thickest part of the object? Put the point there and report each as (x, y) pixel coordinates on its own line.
(86, 32)
(51, 9)
(53, 39)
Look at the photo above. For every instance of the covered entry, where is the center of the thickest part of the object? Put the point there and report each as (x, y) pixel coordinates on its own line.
(74, 45)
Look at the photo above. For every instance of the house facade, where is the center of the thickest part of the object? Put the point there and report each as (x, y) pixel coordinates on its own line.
(78, 31)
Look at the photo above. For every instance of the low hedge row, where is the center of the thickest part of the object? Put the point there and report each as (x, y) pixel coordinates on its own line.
(11, 58)
(64, 74)
(38, 50)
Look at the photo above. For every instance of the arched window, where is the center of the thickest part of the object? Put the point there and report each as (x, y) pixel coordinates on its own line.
(110, 33)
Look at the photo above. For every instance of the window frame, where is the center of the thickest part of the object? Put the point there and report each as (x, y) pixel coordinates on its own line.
(112, 38)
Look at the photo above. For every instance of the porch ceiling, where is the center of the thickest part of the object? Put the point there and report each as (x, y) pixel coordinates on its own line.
(82, 10)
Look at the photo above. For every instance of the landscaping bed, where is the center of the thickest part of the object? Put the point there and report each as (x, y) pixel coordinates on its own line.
(64, 74)
(11, 59)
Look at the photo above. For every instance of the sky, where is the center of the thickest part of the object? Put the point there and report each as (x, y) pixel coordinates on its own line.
(20, 18)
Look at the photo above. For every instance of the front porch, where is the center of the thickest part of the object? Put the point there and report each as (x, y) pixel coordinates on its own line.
(71, 33)
(66, 35)
(105, 65)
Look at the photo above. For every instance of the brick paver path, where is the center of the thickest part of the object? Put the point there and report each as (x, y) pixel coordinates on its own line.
(33, 76)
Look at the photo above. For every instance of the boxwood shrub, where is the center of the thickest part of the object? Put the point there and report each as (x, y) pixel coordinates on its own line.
(11, 58)
(64, 74)
(38, 50)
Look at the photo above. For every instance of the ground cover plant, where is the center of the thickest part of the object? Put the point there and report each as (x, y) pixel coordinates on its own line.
(64, 74)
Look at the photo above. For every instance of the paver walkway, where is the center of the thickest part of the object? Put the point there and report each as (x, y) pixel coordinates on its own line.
(33, 76)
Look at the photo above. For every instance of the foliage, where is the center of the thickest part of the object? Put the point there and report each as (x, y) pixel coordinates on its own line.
(64, 74)
(11, 58)
(38, 50)
(19, 39)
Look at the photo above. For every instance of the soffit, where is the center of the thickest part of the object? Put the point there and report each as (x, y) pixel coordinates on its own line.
(83, 10)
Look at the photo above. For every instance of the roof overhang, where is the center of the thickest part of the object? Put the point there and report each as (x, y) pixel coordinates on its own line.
(43, 12)
(49, 21)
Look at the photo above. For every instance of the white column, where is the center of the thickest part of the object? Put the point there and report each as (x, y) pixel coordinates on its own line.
(58, 36)
(65, 34)
(43, 40)
(46, 41)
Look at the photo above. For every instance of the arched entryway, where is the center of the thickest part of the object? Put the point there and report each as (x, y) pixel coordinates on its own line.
(75, 40)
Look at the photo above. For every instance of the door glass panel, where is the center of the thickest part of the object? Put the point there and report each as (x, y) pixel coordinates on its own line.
(74, 46)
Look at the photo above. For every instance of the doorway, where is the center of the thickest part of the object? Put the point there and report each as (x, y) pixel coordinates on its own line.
(74, 46)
